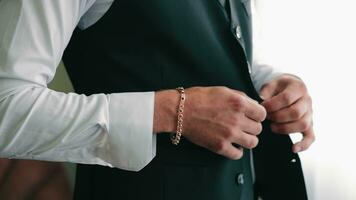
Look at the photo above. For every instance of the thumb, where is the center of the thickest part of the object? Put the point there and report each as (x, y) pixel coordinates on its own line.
(268, 90)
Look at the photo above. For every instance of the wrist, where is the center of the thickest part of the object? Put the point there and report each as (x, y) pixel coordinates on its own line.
(165, 111)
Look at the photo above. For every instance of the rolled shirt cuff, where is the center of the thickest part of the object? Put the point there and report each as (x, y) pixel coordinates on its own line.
(131, 142)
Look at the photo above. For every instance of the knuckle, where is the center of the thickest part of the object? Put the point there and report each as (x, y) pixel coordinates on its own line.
(304, 125)
(223, 89)
(219, 146)
(302, 87)
(259, 128)
(230, 132)
(239, 103)
(252, 143)
(286, 98)
(263, 114)
(224, 148)
(242, 93)
(295, 113)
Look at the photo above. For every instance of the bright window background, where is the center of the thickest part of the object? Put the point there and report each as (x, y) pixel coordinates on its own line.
(316, 39)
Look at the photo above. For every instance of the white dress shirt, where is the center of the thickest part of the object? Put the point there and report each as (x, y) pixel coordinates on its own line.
(38, 123)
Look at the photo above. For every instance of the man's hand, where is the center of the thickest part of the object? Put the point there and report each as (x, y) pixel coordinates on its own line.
(289, 107)
(214, 117)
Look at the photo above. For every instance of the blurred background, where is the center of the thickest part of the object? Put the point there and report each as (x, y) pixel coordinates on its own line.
(316, 40)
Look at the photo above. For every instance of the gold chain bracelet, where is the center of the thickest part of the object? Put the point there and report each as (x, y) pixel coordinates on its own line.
(175, 137)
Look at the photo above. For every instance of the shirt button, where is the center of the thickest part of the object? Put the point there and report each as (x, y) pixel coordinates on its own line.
(238, 32)
(239, 179)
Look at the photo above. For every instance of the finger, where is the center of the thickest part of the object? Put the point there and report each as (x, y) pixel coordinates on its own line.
(230, 151)
(292, 113)
(246, 140)
(268, 90)
(284, 99)
(300, 125)
(306, 142)
(251, 108)
(255, 111)
(250, 126)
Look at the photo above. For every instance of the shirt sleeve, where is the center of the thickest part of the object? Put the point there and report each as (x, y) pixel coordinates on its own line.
(38, 123)
(261, 71)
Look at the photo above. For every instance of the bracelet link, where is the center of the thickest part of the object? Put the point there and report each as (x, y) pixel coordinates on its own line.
(175, 137)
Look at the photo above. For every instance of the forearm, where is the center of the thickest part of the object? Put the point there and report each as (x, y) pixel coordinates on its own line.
(165, 111)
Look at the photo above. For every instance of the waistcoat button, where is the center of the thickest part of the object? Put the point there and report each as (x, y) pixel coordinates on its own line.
(239, 179)
(238, 32)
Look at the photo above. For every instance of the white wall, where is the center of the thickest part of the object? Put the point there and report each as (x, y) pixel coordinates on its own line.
(316, 39)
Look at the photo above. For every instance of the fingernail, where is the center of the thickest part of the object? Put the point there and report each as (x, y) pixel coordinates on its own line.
(262, 97)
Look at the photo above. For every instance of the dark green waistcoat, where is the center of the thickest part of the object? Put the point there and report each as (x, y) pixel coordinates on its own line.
(150, 45)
